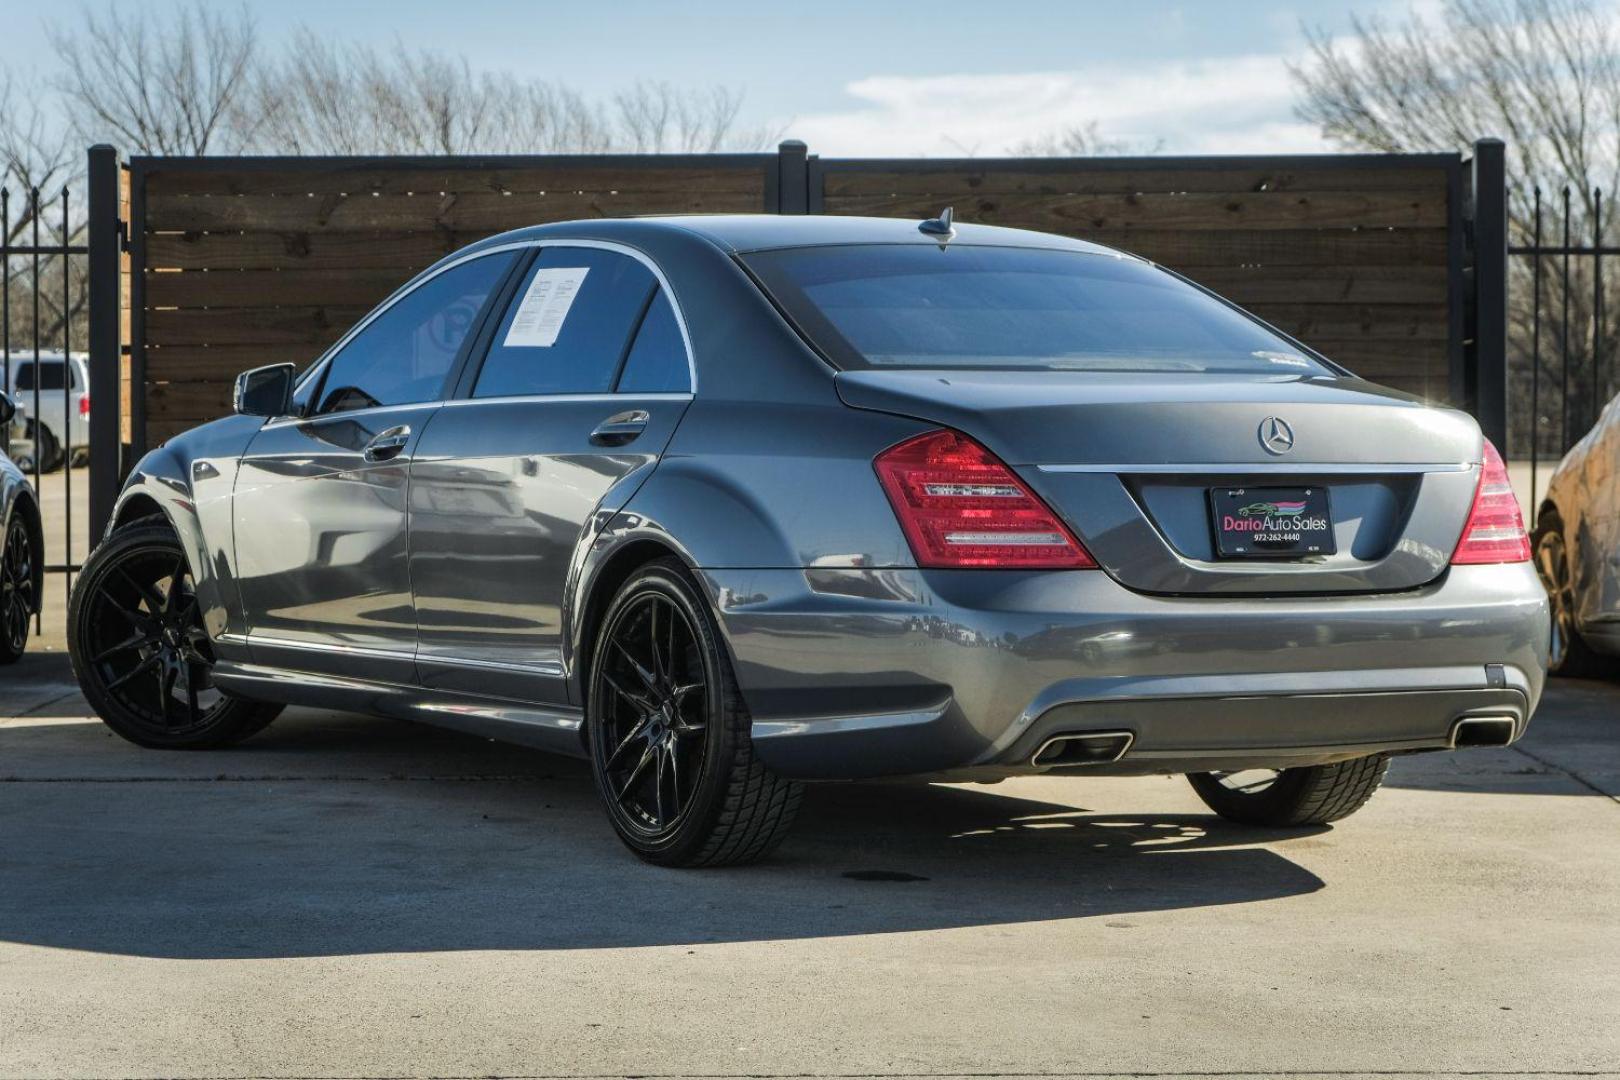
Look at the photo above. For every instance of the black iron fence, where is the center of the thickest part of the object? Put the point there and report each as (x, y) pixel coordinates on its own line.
(43, 304)
(1561, 336)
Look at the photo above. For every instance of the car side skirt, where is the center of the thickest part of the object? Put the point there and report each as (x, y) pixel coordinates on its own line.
(553, 728)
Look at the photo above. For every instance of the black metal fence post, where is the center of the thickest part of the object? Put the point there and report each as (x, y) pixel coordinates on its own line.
(793, 177)
(1490, 289)
(104, 318)
(1535, 364)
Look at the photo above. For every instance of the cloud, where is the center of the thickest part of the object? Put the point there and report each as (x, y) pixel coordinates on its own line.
(1232, 105)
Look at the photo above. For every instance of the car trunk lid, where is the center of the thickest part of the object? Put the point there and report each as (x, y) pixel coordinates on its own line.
(1129, 459)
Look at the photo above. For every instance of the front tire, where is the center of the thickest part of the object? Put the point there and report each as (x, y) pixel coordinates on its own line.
(669, 734)
(139, 650)
(1311, 795)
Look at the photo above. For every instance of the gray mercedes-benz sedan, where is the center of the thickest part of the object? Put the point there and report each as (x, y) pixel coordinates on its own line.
(726, 504)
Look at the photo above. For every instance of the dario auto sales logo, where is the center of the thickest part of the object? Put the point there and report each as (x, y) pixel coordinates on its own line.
(1277, 516)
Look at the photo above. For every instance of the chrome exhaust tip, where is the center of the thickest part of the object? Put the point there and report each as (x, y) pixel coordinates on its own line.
(1483, 731)
(1083, 748)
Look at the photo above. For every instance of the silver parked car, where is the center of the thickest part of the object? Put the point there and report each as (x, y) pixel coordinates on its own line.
(726, 504)
(1578, 551)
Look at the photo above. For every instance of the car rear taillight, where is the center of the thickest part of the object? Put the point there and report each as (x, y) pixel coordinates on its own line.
(959, 506)
(1495, 529)
(84, 406)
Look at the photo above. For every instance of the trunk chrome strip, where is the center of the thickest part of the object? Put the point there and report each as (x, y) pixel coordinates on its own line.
(1239, 468)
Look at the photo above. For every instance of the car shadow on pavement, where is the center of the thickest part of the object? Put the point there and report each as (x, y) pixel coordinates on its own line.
(334, 835)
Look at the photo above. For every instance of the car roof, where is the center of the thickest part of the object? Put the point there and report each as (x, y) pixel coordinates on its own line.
(737, 233)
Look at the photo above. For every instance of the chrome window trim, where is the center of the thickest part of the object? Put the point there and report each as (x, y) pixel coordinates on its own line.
(415, 406)
(509, 399)
(393, 298)
(663, 285)
(1205, 468)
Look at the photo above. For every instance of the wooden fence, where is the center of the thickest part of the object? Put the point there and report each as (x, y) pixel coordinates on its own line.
(259, 261)
(237, 262)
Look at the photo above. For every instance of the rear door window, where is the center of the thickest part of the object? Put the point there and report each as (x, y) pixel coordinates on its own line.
(657, 361)
(568, 326)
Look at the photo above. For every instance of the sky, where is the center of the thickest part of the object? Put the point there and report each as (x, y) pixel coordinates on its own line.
(873, 78)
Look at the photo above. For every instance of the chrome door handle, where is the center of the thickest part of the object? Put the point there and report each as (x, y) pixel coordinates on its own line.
(620, 428)
(387, 444)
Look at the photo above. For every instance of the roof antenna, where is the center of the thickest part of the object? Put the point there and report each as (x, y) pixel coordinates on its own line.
(940, 227)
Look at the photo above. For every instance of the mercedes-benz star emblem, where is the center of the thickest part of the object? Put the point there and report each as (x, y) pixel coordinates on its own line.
(1275, 435)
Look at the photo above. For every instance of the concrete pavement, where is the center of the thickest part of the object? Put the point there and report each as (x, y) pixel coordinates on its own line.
(350, 897)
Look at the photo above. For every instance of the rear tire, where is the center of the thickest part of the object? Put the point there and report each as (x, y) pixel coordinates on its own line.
(139, 650)
(1568, 653)
(1312, 795)
(669, 734)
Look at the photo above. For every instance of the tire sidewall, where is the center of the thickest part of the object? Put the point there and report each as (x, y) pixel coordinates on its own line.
(1259, 807)
(669, 581)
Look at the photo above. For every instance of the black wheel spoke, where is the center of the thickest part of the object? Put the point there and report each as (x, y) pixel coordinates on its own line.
(149, 664)
(641, 673)
(659, 760)
(177, 578)
(640, 701)
(194, 714)
(134, 640)
(625, 743)
(674, 774)
(635, 773)
(657, 666)
(154, 602)
(166, 683)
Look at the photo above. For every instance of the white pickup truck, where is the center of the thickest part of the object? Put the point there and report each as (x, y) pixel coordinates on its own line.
(60, 422)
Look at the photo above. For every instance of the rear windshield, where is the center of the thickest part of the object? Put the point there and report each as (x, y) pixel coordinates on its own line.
(1025, 309)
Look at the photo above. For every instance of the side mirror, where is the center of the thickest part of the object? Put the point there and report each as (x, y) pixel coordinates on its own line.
(265, 391)
(7, 410)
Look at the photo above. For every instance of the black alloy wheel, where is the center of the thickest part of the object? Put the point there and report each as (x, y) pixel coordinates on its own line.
(18, 585)
(669, 736)
(142, 656)
(654, 725)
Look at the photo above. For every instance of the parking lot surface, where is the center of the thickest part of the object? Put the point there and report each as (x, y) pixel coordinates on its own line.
(352, 897)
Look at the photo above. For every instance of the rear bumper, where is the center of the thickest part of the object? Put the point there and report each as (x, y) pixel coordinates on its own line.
(852, 673)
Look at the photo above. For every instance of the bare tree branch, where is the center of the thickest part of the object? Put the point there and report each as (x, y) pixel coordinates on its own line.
(1544, 75)
(1081, 140)
(155, 86)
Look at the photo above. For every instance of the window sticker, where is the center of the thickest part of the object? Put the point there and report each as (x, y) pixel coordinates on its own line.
(544, 307)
